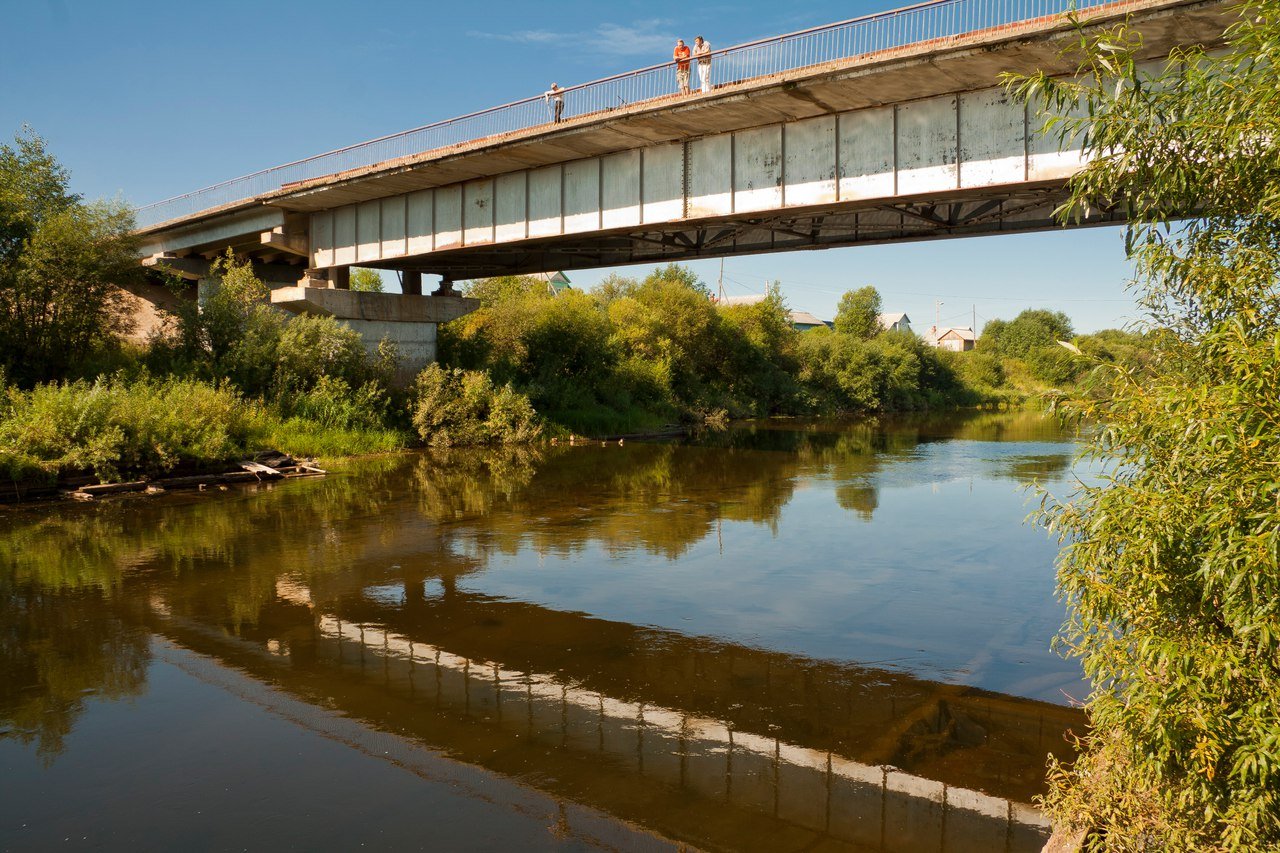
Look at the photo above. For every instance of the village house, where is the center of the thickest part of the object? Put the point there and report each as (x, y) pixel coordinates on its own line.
(802, 321)
(897, 322)
(556, 281)
(954, 338)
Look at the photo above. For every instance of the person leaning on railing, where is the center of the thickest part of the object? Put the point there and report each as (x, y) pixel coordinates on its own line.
(702, 50)
(681, 56)
(554, 98)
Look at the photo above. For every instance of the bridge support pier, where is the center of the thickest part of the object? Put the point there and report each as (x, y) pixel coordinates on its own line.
(408, 321)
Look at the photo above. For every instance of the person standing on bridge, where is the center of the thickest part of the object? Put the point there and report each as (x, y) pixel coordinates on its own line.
(702, 50)
(554, 98)
(681, 56)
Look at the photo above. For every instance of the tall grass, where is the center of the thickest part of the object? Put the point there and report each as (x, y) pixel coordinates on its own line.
(115, 428)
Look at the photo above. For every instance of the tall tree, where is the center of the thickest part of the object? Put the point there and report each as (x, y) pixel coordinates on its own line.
(61, 264)
(1170, 564)
(858, 313)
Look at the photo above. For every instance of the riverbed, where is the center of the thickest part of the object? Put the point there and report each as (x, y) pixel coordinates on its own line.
(793, 634)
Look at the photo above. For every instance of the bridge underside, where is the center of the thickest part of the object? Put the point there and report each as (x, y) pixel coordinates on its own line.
(1007, 211)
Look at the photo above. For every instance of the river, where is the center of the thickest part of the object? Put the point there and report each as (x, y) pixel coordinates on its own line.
(817, 635)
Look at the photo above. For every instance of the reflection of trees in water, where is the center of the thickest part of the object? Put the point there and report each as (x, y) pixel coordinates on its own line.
(1029, 469)
(75, 583)
(74, 578)
(662, 498)
(57, 648)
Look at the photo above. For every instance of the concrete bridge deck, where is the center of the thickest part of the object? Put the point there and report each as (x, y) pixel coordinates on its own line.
(914, 141)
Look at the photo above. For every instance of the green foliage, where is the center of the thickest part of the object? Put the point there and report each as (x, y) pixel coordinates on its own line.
(112, 427)
(464, 407)
(1055, 365)
(233, 335)
(759, 345)
(1032, 329)
(312, 348)
(366, 280)
(1170, 563)
(979, 369)
(61, 265)
(894, 371)
(333, 404)
(676, 274)
(858, 313)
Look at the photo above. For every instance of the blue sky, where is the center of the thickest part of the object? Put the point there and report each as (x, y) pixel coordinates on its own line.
(146, 100)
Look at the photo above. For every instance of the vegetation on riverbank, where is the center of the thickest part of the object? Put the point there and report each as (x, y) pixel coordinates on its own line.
(632, 354)
(231, 374)
(1170, 564)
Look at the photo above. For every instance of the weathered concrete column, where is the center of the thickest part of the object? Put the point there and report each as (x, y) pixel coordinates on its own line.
(207, 286)
(411, 283)
(340, 277)
(408, 321)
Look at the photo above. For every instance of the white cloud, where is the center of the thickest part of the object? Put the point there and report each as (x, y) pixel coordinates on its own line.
(639, 38)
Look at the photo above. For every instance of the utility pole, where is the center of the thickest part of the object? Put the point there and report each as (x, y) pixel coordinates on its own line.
(974, 327)
(721, 288)
(937, 312)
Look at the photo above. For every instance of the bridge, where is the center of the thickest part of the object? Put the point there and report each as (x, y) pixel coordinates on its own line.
(890, 127)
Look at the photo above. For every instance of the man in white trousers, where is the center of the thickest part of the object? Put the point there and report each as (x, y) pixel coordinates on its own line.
(702, 52)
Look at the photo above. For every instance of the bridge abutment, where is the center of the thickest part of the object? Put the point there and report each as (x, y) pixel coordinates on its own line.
(409, 321)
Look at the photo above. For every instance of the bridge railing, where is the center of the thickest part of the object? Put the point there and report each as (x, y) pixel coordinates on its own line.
(867, 35)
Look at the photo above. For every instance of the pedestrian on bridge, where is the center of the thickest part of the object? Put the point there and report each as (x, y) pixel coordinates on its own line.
(554, 98)
(681, 56)
(702, 50)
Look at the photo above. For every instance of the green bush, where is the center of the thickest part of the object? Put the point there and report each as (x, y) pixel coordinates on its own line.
(454, 407)
(312, 348)
(332, 403)
(1169, 564)
(979, 369)
(1054, 365)
(111, 427)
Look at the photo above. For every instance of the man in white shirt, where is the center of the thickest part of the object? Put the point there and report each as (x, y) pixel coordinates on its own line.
(702, 52)
(554, 98)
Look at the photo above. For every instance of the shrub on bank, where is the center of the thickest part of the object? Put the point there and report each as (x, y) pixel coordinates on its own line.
(110, 427)
(120, 428)
(454, 407)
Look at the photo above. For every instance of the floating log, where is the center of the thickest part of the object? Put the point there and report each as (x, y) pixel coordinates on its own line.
(268, 465)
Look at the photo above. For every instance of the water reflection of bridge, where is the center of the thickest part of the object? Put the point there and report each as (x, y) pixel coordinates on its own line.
(720, 745)
(351, 594)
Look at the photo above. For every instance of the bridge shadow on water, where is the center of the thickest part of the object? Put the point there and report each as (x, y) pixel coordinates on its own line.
(354, 599)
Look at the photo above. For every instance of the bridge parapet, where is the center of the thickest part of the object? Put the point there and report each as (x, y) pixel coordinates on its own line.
(927, 27)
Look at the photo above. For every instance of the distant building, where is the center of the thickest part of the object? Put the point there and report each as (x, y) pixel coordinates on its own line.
(557, 281)
(954, 338)
(803, 321)
(749, 299)
(898, 322)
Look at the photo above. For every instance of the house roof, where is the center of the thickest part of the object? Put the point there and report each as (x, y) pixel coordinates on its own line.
(552, 277)
(887, 320)
(804, 318)
(749, 299)
(964, 333)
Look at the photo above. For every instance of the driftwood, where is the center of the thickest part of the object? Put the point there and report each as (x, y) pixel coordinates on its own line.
(268, 465)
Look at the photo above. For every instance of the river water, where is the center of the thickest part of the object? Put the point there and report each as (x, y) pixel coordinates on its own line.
(817, 635)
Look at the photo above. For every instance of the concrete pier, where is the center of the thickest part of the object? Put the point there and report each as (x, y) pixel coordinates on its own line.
(409, 321)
